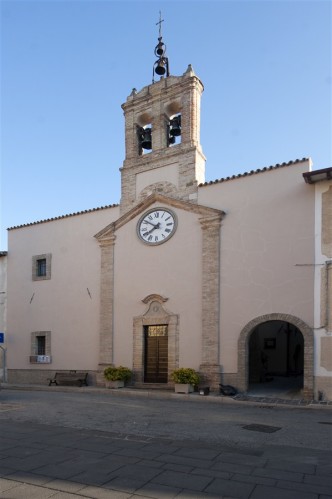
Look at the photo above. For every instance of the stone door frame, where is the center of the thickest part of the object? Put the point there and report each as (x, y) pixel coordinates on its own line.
(154, 315)
(308, 340)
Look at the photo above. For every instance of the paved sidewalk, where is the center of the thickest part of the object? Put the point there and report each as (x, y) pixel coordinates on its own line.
(47, 459)
(41, 461)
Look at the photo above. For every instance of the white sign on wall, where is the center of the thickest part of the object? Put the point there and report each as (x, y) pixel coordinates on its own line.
(43, 359)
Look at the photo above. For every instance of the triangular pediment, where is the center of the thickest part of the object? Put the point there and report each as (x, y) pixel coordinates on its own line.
(202, 211)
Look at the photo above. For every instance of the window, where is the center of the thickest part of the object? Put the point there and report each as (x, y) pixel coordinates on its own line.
(41, 267)
(40, 347)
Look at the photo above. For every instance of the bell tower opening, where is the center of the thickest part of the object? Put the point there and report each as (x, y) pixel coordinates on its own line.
(144, 137)
(174, 130)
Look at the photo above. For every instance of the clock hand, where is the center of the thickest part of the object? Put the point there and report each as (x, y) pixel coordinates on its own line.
(154, 227)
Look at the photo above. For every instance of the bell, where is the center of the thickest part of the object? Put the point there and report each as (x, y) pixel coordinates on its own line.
(160, 49)
(175, 124)
(160, 68)
(146, 138)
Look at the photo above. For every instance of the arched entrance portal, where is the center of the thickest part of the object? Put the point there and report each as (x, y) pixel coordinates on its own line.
(276, 358)
(276, 346)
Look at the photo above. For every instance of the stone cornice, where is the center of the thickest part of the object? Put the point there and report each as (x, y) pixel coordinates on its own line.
(211, 221)
(209, 215)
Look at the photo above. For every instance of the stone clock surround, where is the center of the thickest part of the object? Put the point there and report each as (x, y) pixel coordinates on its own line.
(210, 220)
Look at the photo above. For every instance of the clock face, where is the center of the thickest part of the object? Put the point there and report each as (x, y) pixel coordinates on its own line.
(156, 226)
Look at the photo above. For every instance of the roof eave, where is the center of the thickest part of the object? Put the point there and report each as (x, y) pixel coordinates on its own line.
(317, 175)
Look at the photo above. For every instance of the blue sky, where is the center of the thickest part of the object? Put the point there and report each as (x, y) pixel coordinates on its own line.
(67, 66)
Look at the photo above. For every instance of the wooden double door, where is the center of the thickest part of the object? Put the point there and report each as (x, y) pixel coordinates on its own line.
(156, 354)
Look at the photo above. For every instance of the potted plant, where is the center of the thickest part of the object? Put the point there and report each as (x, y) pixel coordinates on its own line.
(116, 376)
(185, 379)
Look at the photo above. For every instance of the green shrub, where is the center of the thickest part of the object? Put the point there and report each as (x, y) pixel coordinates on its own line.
(185, 375)
(119, 373)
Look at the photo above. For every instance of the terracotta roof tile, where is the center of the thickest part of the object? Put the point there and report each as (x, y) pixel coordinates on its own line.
(254, 172)
(63, 216)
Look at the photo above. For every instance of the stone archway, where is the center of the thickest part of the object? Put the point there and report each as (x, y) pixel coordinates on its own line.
(308, 338)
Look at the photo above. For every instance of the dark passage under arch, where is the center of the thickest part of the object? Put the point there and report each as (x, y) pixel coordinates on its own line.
(276, 358)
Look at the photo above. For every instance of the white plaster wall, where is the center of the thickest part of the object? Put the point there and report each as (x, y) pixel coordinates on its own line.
(3, 309)
(62, 304)
(173, 270)
(267, 250)
(3, 293)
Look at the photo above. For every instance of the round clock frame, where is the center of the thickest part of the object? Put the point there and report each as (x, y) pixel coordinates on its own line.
(156, 226)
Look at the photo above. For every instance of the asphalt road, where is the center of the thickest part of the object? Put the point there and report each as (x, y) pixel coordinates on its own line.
(175, 417)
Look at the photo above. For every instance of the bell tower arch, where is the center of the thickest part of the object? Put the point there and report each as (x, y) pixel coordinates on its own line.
(162, 136)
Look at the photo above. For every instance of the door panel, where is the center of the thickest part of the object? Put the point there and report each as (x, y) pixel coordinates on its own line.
(156, 354)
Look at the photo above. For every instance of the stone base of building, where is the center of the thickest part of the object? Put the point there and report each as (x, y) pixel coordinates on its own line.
(42, 376)
(210, 376)
(230, 379)
(99, 375)
(323, 388)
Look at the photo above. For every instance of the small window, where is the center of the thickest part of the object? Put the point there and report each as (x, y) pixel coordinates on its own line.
(41, 267)
(41, 345)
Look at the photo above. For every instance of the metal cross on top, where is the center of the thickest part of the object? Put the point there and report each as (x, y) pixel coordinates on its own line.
(159, 22)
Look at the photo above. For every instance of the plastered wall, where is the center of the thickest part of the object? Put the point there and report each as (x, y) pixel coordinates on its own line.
(68, 303)
(267, 250)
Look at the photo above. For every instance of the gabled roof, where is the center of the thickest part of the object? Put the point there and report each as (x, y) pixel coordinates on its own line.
(255, 172)
(204, 211)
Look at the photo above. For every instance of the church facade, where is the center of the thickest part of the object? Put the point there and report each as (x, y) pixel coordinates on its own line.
(232, 277)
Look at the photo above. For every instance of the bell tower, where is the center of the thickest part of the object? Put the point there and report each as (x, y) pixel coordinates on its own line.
(162, 136)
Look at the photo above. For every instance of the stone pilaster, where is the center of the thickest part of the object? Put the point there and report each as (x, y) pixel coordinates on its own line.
(106, 301)
(327, 223)
(210, 367)
(329, 296)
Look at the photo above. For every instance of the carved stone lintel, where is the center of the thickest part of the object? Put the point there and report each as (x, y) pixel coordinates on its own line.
(154, 297)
